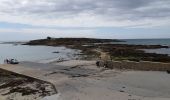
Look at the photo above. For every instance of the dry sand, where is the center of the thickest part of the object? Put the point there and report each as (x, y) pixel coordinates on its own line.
(82, 80)
(115, 85)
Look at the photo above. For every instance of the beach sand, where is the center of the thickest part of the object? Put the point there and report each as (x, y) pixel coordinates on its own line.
(82, 80)
(115, 84)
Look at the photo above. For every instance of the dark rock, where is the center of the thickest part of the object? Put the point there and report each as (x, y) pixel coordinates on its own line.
(56, 52)
(97, 63)
(121, 91)
(168, 71)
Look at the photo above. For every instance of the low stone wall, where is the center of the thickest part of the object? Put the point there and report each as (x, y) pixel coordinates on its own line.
(143, 65)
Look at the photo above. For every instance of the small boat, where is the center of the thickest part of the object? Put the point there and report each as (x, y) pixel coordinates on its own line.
(14, 61)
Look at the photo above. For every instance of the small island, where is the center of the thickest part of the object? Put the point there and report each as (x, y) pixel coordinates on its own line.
(94, 48)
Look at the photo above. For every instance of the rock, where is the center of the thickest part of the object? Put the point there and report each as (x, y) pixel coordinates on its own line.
(168, 71)
(56, 52)
(97, 63)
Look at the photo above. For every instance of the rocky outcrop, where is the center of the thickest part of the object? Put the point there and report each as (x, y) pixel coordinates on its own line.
(142, 65)
(90, 47)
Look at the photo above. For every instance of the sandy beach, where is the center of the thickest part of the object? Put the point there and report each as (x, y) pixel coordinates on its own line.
(82, 80)
(84, 49)
(116, 85)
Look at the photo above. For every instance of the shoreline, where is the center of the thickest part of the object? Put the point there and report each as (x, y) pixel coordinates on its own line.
(82, 79)
(115, 51)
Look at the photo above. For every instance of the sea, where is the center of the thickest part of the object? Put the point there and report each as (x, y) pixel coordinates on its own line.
(42, 54)
(45, 54)
(164, 42)
(147, 41)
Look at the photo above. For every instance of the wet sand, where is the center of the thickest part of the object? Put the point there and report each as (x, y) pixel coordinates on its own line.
(82, 80)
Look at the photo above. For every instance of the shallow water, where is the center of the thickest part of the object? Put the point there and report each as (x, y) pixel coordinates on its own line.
(165, 42)
(35, 53)
(147, 41)
(158, 51)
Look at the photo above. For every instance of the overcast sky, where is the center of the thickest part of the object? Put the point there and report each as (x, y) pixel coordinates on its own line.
(32, 19)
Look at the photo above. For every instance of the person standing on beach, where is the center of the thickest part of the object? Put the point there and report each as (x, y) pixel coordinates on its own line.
(7, 61)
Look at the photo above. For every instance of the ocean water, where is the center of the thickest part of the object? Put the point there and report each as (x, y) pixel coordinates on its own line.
(35, 53)
(159, 51)
(147, 41)
(165, 42)
(45, 53)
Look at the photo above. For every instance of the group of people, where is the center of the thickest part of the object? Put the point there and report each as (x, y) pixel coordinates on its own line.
(7, 61)
(10, 61)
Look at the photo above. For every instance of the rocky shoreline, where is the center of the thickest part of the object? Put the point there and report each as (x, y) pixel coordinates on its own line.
(131, 65)
(15, 86)
(92, 49)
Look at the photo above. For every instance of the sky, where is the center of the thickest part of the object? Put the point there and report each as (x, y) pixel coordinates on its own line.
(112, 19)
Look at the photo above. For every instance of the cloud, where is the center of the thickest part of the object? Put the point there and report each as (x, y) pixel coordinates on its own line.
(51, 32)
(86, 13)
